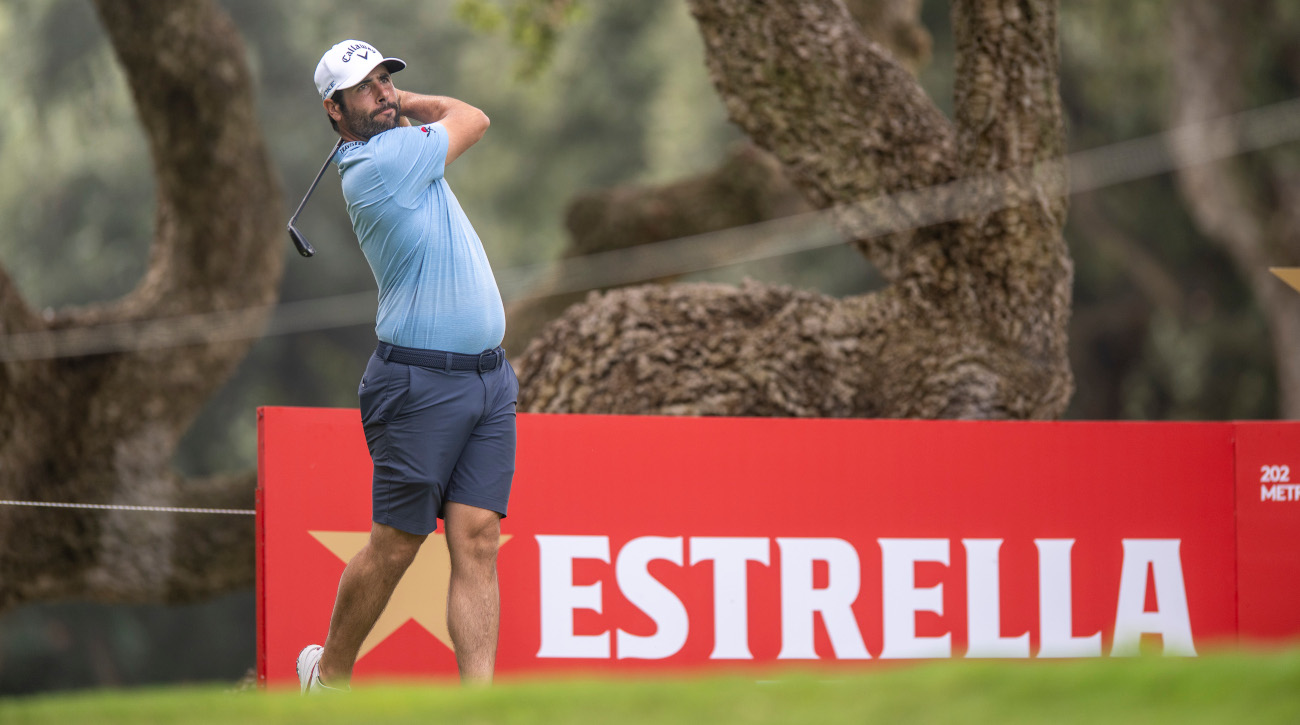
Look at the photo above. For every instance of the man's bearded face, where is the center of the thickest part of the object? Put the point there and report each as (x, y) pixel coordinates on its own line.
(367, 123)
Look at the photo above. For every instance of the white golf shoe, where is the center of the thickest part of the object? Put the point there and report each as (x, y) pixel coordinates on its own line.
(309, 672)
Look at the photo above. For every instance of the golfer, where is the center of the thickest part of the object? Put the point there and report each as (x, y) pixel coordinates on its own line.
(438, 397)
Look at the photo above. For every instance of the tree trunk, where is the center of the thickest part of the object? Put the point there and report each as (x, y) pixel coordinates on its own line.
(103, 428)
(1246, 205)
(974, 322)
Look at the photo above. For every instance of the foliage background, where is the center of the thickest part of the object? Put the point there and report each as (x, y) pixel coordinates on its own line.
(1164, 329)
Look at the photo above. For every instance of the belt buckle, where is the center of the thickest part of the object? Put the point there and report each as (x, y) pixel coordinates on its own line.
(487, 361)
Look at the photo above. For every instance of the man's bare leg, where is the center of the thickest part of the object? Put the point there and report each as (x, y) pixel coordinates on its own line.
(473, 601)
(367, 584)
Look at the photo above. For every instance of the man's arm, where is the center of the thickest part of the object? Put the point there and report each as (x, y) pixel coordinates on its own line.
(465, 124)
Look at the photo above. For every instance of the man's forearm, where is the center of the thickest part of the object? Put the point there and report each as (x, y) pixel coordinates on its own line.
(431, 109)
(464, 123)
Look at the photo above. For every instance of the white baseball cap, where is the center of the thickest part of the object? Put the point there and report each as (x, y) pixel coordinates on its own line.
(347, 63)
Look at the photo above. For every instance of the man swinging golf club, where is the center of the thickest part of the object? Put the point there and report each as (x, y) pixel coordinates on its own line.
(438, 397)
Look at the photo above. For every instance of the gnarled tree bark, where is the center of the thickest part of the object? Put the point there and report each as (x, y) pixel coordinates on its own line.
(973, 324)
(103, 428)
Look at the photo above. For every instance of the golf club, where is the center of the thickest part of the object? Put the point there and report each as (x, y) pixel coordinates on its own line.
(299, 241)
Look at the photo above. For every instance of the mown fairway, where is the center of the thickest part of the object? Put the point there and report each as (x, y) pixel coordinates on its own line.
(1225, 688)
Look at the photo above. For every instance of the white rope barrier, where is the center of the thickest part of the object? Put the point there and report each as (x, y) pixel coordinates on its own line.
(1088, 170)
(123, 507)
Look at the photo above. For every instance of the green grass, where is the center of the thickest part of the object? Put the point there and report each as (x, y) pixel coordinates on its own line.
(1225, 688)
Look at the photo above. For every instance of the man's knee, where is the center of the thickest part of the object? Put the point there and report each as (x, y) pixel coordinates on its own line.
(394, 548)
(473, 534)
(480, 547)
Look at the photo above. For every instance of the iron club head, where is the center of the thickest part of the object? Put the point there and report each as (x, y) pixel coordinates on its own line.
(304, 247)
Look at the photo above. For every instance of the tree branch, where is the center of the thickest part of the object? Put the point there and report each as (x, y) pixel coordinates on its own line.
(894, 24)
(847, 121)
(748, 187)
(1207, 39)
(215, 244)
(804, 83)
(1009, 120)
(1007, 103)
(217, 237)
(997, 265)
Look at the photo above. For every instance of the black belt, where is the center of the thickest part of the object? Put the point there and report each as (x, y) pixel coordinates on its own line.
(484, 362)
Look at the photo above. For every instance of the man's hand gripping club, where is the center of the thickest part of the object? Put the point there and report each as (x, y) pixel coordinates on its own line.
(465, 124)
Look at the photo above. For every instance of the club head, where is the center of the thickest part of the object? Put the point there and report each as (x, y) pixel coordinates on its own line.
(299, 241)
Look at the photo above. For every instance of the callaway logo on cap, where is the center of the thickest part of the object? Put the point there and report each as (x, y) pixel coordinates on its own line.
(347, 63)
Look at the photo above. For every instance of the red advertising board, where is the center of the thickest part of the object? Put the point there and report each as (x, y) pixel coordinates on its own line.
(1268, 530)
(653, 543)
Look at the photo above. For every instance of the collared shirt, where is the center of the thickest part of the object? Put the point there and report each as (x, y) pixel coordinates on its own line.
(436, 288)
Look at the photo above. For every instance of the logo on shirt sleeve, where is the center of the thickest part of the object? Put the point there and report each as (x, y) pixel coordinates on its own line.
(427, 130)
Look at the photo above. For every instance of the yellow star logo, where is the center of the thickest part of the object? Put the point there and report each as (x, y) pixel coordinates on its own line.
(420, 595)
(1290, 275)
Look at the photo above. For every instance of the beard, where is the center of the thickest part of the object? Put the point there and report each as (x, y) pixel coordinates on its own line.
(367, 125)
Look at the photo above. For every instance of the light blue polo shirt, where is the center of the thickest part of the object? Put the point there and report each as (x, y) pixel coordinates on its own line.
(436, 289)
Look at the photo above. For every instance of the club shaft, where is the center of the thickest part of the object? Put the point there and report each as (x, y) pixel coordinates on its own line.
(316, 181)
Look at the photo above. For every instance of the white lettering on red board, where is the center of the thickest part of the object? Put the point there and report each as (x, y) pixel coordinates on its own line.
(1280, 492)
(1157, 560)
(1283, 489)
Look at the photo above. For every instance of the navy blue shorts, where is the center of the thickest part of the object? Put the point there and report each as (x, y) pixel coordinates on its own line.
(435, 436)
